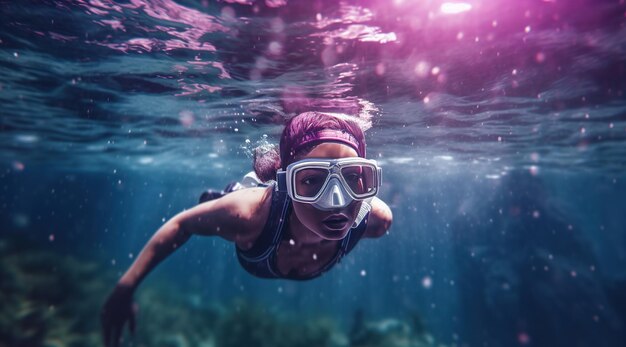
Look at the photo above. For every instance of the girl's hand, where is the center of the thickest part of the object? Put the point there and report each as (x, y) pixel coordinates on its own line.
(117, 310)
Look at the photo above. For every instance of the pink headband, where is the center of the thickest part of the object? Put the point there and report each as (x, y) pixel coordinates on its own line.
(330, 135)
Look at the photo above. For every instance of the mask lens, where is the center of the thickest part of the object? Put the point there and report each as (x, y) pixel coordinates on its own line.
(360, 178)
(308, 182)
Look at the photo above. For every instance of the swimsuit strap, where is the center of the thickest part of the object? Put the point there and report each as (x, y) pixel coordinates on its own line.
(258, 260)
(272, 231)
(356, 234)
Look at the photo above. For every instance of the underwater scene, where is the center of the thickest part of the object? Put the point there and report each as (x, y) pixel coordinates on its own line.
(499, 126)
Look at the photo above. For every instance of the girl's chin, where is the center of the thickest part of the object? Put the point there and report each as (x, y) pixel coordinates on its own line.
(332, 234)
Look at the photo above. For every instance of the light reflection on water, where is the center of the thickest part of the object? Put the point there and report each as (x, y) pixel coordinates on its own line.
(476, 80)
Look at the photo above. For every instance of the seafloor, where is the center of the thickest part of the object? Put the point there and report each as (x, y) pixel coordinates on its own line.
(53, 300)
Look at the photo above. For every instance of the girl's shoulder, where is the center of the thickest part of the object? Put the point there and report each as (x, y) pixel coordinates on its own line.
(238, 216)
(379, 220)
(249, 204)
(253, 207)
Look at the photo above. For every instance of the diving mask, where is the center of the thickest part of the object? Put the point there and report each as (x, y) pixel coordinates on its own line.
(330, 184)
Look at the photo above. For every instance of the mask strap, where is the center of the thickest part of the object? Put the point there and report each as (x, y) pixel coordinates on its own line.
(281, 181)
(365, 209)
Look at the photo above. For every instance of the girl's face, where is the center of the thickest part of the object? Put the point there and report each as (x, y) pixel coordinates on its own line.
(328, 225)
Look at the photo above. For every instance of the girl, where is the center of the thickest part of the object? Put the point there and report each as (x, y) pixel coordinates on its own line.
(321, 201)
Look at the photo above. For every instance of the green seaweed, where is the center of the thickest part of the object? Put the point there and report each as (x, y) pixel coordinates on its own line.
(169, 318)
(251, 325)
(38, 288)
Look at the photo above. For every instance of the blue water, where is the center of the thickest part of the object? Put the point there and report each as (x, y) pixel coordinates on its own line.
(501, 131)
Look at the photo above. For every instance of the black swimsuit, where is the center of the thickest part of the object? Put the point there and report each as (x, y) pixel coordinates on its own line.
(260, 260)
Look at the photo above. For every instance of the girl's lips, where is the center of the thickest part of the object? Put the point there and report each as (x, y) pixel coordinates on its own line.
(336, 217)
(336, 222)
(339, 225)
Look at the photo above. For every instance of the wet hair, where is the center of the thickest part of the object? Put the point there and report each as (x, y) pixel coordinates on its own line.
(267, 162)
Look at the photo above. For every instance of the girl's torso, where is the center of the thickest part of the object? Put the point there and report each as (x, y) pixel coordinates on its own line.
(270, 252)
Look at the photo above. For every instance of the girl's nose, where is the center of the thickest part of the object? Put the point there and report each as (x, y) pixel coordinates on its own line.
(337, 196)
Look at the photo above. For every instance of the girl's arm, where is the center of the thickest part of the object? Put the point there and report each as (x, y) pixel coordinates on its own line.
(237, 217)
(163, 243)
(119, 308)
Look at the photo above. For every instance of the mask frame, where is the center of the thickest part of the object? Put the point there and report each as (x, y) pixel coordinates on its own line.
(325, 199)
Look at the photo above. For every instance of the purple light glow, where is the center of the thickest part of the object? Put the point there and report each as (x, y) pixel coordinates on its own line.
(455, 7)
